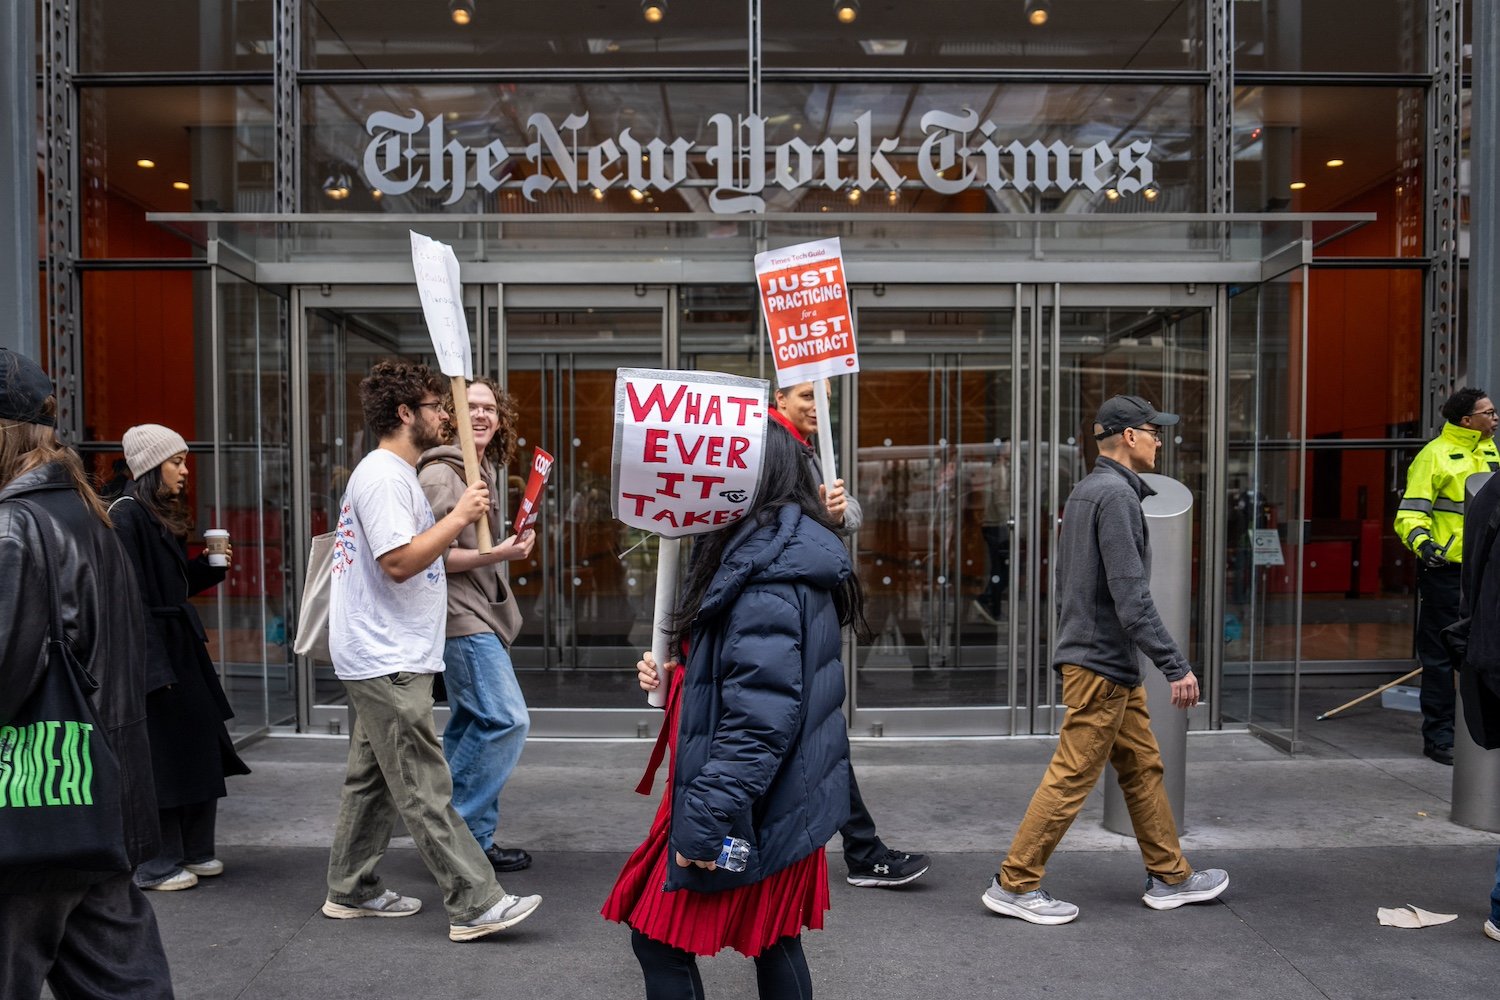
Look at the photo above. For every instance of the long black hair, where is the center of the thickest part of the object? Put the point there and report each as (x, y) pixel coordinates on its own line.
(171, 510)
(786, 479)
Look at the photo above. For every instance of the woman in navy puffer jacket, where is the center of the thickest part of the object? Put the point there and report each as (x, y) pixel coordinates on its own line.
(760, 749)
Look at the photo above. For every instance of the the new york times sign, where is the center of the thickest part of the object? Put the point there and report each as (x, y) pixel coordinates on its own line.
(958, 152)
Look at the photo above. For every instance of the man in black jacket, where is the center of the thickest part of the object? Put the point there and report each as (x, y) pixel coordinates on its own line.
(86, 933)
(1105, 615)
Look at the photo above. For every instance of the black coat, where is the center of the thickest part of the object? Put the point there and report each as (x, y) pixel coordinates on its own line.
(190, 747)
(762, 747)
(1479, 675)
(103, 625)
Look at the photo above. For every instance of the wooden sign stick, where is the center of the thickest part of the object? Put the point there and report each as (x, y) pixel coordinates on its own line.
(471, 455)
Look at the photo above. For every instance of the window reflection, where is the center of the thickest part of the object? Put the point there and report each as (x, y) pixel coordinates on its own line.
(1331, 36)
(175, 36)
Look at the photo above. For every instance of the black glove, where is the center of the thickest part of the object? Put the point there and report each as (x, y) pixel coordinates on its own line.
(1432, 556)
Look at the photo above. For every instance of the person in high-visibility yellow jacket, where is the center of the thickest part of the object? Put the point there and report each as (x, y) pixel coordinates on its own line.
(1430, 522)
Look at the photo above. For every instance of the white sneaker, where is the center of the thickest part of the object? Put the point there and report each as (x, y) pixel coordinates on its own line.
(1491, 931)
(206, 869)
(388, 904)
(511, 910)
(180, 879)
(1200, 887)
(1036, 906)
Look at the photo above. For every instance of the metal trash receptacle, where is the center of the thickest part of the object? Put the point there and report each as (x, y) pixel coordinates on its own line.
(1169, 519)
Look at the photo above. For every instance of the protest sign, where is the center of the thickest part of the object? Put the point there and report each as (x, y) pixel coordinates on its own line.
(687, 456)
(443, 308)
(526, 513)
(806, 305)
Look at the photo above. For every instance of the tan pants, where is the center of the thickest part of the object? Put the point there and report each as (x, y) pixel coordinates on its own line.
(1105, 722)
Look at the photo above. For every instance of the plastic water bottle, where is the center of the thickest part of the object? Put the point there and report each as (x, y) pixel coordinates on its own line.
(734, 855)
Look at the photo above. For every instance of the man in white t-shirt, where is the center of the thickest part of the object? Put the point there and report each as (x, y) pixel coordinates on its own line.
(387, 613)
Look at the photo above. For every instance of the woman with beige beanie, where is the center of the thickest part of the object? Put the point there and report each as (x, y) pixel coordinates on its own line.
(191, 752)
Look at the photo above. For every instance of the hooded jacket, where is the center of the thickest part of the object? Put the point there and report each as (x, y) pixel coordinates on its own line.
(762, 748)
(1432, 508)
(103, 623)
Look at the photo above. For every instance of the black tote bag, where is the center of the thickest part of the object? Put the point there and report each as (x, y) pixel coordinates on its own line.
(60, 801)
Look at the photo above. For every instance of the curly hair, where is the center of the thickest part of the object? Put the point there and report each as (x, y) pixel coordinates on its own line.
(501, 450)
(390, 385)
(1461, 404)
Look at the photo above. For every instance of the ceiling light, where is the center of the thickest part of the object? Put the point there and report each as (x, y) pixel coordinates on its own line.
(377, 194)
(180, 185)
(636, 194)
(462, 11)
(1297, 185)
(653, 10)
(846, 10)
(1335, 163)
(1151, 193)
(598, 194)
(1037, 12)
(1112, 194)
(893, 197)
(854, 195)
(146, 164)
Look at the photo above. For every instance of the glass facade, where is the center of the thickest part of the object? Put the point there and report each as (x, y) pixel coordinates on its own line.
(934, 145)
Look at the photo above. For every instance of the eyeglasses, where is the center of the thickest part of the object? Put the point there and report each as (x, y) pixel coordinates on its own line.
(436, 404)
(1152, 431)
(1484, 413)
(486, 410)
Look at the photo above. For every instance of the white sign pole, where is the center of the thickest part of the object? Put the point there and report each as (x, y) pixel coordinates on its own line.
(825, 432)
(666, 607)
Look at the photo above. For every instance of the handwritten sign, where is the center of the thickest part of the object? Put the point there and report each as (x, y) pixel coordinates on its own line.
(442, 304)
(806, 304)
(526, 514)
(687, 449)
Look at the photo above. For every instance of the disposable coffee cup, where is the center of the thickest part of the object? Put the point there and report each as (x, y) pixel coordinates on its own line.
(216, 540)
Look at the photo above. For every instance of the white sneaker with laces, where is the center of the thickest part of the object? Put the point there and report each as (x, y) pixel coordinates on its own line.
(1036, 906)
(388, 904)
(508, 912)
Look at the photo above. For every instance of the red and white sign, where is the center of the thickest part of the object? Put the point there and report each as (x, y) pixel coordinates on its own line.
(526, 514)
(688, 449)
(806, 304)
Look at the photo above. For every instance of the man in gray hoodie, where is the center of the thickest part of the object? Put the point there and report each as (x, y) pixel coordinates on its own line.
(1105, 615)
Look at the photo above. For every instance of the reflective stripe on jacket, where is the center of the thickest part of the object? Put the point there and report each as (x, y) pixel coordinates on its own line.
(1433, 505)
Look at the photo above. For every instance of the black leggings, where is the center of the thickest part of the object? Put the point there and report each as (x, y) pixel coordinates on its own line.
(672, 974)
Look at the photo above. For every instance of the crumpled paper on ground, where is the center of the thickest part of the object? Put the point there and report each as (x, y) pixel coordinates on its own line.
(1412, 916)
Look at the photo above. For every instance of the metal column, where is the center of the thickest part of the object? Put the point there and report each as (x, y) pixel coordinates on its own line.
(1169, 521)
(1484, 200)
(1476, 771)
(18, 284)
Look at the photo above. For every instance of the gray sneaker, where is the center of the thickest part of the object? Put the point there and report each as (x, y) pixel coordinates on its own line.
(1036, 906)
(511, 910)
(1200, 887)
(388, 904)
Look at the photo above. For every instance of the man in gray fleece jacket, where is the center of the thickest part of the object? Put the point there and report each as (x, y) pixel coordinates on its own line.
(1105, 615)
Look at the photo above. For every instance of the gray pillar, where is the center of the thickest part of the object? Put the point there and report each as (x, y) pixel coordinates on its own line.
(1484, 200)
(1169, 519)
(18, 284)
(1476, 771)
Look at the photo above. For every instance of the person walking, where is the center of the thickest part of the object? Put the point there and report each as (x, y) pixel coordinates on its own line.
(386, 618)
(88, 934)
(191, 752)
(1106, 613)
(1430, 522)
(487, 717)
(759, 749)
(870, 863)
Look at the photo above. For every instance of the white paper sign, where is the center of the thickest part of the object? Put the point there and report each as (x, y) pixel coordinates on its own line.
(688, 448)
(1266, 545)
(443, 304)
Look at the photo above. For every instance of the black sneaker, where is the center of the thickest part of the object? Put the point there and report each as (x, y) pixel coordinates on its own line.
(507, 859)
(1439, 753)
(889, 870)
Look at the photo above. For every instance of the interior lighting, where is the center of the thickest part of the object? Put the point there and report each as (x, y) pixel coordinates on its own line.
(1151, 193)
(376, 194)
(854, 195)
(180, 185)
(637, 195)
(462, 11)
(893, 197)
(1112, 194)
(598, 194)
(1297, 185)
(1037, 12)
(1335, 163)
(846, 10)
(145, 164)
(653, 10)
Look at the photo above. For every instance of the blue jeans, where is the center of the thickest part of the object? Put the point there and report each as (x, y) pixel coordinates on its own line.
(1495, 894)
(487, 727)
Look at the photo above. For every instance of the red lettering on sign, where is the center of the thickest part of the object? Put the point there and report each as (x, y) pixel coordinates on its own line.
(656, 445)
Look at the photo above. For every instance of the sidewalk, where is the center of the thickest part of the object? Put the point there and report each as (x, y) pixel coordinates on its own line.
(1313, 845)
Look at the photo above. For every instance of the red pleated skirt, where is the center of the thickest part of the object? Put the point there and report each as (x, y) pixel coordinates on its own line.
(748, 919)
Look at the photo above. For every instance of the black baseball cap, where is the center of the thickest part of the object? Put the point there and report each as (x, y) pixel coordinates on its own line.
(1120, 412)
(24, 389)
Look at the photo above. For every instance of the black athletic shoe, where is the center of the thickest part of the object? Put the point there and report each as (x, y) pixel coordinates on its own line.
(888, 871)
(507, 859)
(1441, 754)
